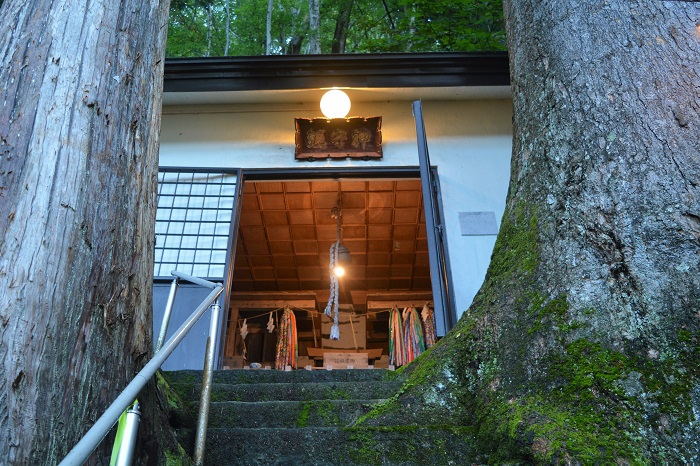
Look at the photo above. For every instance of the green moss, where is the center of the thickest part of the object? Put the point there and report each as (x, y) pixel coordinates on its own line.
(477, 355)
(324, 410)
(515, 253)
(561, 432)
(303, 418)
(387, 406)
(181, 387)
(402, 453)
(591, 409)
(588, 371)
(542, 311)
(339, 394)
(421, 369)
(671, 378)
(577, 414)
(685, 336)
(171, 397)
(327, 412)
(365, 452)
(177, 458)
(460, 430)
(369, 445)
(417, 373)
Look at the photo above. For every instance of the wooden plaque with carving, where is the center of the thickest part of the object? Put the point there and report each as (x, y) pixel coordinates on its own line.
(338, 138)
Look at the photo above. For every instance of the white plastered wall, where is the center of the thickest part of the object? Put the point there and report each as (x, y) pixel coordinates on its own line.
(469, 142)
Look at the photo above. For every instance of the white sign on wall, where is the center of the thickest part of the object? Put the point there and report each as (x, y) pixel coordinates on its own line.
(478, 223)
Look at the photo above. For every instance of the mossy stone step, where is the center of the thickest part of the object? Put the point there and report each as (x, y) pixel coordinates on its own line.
(295, 391)
(305, 418)
(323, 413)
(241, 376)
(319, 446)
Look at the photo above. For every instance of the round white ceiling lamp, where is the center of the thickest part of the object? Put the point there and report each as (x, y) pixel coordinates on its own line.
(335, 104)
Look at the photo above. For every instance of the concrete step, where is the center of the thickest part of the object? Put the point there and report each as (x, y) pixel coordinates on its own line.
(295, 391)
(300, 418)
(289, 414)
(319, 446)
(241, 376)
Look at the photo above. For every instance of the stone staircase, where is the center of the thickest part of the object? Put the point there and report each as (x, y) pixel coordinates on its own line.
(264, 417)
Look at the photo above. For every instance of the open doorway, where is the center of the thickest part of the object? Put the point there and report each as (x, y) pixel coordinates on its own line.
(286, 229)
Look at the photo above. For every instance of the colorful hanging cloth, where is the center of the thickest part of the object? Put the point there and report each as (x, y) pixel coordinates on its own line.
(428, 316)
(414, 343)
(396, 347)
(287, 346)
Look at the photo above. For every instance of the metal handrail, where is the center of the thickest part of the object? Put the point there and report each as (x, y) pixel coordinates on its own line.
(166, 316)
(171, 299)
(82, 450)
(208, 371)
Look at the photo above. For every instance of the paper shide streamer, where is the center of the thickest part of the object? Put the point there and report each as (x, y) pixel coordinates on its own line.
(270, 324)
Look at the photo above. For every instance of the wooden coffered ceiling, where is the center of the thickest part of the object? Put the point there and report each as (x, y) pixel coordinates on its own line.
(286, 230)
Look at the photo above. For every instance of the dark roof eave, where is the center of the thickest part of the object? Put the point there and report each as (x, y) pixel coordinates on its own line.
(392, 70)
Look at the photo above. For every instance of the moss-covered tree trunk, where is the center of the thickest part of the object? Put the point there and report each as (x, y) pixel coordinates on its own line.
(584, 342)
(80, 104)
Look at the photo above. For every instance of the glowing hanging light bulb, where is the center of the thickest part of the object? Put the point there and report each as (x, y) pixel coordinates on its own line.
(335, 104)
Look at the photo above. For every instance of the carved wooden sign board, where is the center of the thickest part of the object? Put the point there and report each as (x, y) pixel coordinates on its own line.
(343, 360)
(338, 138)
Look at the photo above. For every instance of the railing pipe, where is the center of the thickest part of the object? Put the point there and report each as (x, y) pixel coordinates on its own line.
(82, 450)
(166, 315)
(207, 377)
(125, 457)
(195, 280)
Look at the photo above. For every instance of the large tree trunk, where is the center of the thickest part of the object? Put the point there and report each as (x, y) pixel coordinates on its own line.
(314, 26)
(227, 9)
(606, 166)
(340, 35)
(583, 343)
(79, 126)
(210, 28)
(297, 33)
(268, 28)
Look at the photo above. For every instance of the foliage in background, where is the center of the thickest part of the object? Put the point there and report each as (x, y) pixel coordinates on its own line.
(239, 27)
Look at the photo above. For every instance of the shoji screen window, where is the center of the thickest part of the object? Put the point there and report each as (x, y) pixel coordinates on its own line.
(193, 222)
